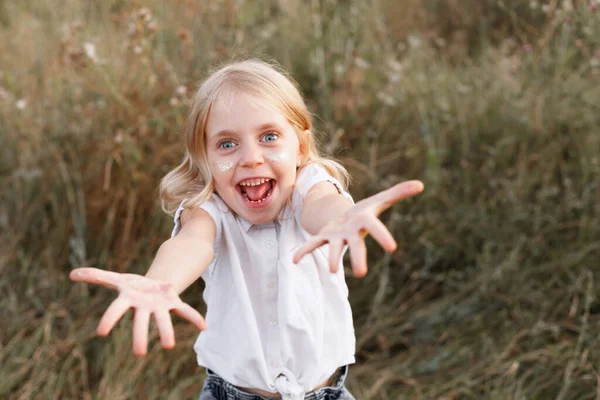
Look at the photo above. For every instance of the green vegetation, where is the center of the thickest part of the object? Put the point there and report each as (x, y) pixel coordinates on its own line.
(494, 104)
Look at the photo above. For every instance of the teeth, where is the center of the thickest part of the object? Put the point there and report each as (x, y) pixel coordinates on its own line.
(254, 182)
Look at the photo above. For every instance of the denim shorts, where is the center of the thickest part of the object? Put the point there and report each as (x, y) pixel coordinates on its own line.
(216, 388)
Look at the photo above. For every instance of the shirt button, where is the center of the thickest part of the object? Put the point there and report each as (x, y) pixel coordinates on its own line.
(269, 244)
(273, 322)
(274, 363)
(271, 285)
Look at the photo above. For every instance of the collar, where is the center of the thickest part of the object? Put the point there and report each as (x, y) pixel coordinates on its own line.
(244, 223)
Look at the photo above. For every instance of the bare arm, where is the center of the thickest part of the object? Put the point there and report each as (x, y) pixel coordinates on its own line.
(182, 259)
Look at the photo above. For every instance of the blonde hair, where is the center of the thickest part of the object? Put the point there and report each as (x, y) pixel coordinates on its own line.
(192, 182)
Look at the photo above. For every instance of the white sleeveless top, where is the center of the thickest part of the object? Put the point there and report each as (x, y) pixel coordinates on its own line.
(272, 324)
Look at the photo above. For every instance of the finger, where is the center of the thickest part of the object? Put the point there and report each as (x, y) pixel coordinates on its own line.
(308, 247)
(335, 252)
(141, 323)
(165, 329)
(112, 315)
(381, 234)
(188, 312)
(385, 199)
(358, 256)
(95, 275)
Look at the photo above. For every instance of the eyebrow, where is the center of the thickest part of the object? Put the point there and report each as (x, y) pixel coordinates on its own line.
(228, 132)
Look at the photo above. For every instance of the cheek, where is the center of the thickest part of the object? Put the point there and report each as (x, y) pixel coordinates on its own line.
(223, 166)
(277, 156)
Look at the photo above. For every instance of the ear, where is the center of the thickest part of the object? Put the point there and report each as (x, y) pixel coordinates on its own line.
(303, 147)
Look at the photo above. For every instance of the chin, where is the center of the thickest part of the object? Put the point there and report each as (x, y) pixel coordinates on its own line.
(258, 218)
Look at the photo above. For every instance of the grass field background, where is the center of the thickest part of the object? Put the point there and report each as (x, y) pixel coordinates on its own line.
(494, 105)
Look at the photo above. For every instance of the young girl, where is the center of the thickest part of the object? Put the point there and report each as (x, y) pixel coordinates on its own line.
(264, 219)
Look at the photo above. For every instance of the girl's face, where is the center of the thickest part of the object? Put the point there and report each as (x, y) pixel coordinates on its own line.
(253, 153)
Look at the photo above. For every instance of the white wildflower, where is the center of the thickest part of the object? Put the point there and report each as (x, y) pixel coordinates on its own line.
(21, 104)
(174, 101)
(138, 49)
(119, 136)
(27, 174)
(90, 51)
(414, 41)
(181, 90)
(386, 99)
(361, 63)
(144, 12)
(463, 88)
(268, 31)
(443, 104)
(339, 69)
(395, 65)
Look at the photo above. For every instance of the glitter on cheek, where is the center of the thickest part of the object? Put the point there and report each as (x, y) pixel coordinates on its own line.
(224, 166)
(276, 157)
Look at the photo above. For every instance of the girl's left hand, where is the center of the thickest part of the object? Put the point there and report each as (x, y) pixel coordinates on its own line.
(360, 220)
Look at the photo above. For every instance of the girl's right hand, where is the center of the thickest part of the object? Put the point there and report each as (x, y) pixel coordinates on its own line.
(148, 296)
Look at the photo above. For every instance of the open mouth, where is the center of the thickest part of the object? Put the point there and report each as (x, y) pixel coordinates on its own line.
(256, 191)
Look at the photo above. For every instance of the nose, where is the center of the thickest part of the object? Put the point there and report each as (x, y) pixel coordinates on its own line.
(252, 156)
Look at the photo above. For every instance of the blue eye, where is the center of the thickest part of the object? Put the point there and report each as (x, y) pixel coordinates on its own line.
(226, 144)
(270, 137)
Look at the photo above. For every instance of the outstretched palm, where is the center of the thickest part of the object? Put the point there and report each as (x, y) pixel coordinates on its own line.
(148, 297)
(360, 220)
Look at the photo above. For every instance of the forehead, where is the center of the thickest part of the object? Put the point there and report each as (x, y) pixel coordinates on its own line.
(242, 113)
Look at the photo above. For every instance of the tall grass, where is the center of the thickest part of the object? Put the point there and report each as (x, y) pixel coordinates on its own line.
(494, 105)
